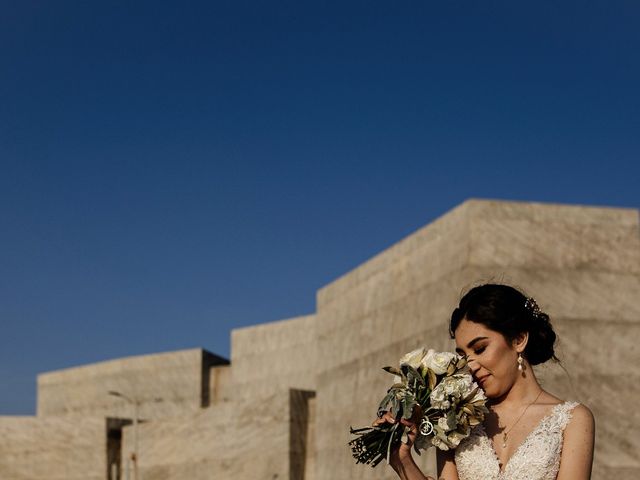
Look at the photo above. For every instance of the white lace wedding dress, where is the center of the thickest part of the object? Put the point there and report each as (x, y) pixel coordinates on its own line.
(537, 457)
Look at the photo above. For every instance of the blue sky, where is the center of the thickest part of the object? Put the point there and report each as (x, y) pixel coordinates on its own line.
(172, 170)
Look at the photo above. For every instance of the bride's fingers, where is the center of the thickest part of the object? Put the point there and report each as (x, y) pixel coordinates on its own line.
(412, 429)
(389, 418)
(386, 418)
(407, 423)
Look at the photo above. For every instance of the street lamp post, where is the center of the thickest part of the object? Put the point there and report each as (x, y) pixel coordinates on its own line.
(134, 454)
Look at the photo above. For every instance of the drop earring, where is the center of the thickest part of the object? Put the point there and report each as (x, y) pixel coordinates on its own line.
(520, 363)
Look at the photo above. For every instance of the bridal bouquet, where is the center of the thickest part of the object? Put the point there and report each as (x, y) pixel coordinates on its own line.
(437, 392)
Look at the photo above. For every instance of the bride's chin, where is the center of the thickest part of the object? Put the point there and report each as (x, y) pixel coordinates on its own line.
(492, 393)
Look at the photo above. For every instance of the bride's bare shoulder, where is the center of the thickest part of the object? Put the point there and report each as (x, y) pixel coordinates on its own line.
(580, 413)
(577, 448)
(582, 416)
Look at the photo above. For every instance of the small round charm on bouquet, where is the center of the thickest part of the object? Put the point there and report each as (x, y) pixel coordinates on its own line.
(426, 428)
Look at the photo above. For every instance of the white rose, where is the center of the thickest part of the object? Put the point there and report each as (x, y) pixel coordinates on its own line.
(413, 358)
(438, 361)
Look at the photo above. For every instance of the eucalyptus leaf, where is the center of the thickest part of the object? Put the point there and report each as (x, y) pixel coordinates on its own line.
(413, 376)
(393, 370)
(432, 379)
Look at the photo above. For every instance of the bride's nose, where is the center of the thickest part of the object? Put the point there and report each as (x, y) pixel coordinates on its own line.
(474, 366)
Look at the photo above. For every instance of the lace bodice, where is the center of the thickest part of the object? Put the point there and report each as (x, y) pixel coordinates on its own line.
(537, 457)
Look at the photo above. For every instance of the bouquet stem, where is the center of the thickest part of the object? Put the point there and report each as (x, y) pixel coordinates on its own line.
(374, 444)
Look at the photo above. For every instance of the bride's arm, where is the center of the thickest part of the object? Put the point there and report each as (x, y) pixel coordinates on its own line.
(577, 446)
(446, 465)
(407, 469)
(403, 463)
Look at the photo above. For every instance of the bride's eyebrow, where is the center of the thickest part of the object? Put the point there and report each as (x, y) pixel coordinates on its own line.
(475, 340)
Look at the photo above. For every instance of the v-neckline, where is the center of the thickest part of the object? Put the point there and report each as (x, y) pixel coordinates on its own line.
(501, 471)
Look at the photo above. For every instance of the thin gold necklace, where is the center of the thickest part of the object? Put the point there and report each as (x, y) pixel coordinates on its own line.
(504, 434)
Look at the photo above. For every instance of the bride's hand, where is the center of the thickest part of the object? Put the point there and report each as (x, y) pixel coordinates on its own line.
(402, 453)
(400, 459)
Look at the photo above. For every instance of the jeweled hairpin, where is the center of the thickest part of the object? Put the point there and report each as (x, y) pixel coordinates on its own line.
(531, 305)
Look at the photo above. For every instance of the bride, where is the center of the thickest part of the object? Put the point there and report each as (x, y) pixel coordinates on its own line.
(529, 433)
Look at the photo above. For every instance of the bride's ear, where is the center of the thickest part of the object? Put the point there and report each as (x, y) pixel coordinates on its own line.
(520, 342)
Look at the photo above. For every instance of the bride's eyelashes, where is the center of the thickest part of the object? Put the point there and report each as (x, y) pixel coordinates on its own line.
(479, 350)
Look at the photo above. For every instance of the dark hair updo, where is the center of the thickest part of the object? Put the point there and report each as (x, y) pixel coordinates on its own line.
(506, 310)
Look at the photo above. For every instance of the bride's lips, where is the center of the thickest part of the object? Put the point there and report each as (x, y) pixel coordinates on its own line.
(483, 379)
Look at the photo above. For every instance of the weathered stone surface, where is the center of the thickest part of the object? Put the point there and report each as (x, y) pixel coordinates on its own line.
(250, 429)
(275, 356)
(165, 384)
(245, 438)
(53, 448)
(563, 237)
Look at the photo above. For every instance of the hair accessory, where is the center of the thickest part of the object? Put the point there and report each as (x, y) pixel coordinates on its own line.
(531, 305)
(520, 365)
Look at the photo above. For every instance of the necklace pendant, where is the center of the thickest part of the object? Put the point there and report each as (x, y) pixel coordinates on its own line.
(504, 440)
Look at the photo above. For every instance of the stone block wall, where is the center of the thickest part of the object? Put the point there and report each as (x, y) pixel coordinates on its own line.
(260, 423)
(274, 356)
(53, 448)
(166, 384)
(238, 439)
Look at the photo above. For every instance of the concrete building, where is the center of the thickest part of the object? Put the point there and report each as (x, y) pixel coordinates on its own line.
(283, 406)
